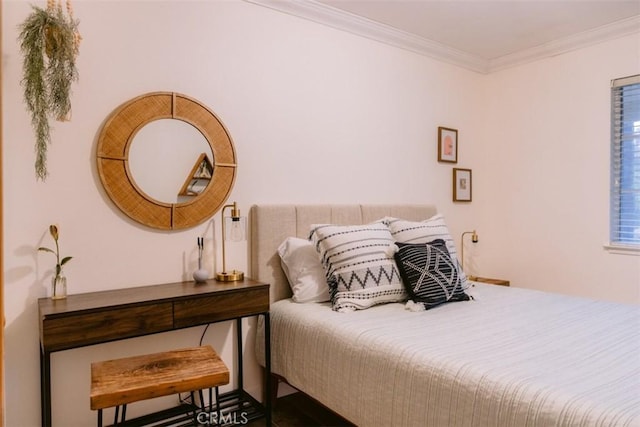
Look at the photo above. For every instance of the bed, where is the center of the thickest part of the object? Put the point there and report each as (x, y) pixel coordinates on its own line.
(506, 357)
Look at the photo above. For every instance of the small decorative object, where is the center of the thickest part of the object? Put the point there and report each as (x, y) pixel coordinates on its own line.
(447, 145)
(461, 185)
(49, 40)
(59, 281)
(200, 275)
(236, 226)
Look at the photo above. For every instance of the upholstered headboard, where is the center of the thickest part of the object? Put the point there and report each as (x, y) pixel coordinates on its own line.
(270, 225)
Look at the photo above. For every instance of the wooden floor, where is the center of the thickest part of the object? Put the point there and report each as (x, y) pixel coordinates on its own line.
(297, 410)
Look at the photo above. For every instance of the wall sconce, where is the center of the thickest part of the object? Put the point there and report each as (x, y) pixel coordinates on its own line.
(474, 239)
(235, 225)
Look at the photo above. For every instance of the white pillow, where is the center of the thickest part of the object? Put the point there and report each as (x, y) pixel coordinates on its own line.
(301, 265)
(359, 265)
(424, 232)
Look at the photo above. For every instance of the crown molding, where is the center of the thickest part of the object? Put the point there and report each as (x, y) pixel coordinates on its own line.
(586, 38)
(345, 21)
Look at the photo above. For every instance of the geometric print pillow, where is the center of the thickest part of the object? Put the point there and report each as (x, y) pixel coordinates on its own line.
(359, 265)
(429, 273)
(426, 231)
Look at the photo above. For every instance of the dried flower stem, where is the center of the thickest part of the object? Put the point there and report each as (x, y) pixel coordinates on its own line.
(53, 230)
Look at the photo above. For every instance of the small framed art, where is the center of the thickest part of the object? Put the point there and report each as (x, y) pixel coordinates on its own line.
(461, 185)
(447, 145)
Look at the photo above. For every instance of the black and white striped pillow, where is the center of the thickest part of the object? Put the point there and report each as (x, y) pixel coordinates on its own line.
(429, 274)
(359, 265)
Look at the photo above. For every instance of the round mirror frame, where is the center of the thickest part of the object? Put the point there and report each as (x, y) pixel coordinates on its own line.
(112, 155)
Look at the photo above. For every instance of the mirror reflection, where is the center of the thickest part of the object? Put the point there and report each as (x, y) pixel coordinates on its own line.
(198, 178)
(163, 156)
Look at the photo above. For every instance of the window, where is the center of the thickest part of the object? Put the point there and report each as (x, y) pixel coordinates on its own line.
(625, 162)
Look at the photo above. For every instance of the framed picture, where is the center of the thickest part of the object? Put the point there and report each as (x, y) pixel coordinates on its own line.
(447, 145)
(461, 185)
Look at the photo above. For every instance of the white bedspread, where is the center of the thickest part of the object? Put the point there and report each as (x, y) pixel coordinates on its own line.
(511, 357)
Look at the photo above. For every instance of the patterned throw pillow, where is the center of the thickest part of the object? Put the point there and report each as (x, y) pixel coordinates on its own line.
(429, 273)
(426, 231)
(359, 265)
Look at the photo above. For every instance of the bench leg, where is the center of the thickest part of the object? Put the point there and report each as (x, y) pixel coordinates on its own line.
(194, 405)
(99, 417)
(115, 416)
(209, 408)
(218, 409)
(203, 407)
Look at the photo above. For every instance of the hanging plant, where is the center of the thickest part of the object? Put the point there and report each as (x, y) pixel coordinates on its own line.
(49, 40)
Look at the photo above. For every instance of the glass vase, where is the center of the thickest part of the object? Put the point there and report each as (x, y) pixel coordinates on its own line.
(58, 287)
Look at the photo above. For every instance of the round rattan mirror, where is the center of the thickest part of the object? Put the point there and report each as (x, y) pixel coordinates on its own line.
(112, 155)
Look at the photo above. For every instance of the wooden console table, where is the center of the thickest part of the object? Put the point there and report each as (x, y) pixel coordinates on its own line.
(99, 317)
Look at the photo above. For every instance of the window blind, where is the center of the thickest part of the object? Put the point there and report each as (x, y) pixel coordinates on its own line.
(625, 161)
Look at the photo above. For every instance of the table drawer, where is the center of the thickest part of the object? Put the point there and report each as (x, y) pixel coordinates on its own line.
(60, 333)
(219, 307)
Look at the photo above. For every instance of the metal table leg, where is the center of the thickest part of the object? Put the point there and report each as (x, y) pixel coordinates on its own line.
(45, 388)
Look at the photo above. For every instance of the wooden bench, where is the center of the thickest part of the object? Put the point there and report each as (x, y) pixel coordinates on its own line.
(115, 383)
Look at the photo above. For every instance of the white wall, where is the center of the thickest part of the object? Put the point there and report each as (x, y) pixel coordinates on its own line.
(317, 115)
(544, 190)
